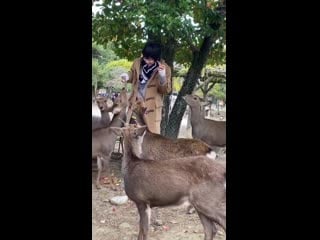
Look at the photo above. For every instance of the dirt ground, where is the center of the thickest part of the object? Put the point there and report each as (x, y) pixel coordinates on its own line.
(121, 222)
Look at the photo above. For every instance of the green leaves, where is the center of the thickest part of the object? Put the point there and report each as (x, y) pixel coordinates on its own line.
(128, 24)
(219, 91)
(100, 57)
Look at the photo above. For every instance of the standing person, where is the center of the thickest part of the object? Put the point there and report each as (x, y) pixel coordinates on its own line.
(151, 80)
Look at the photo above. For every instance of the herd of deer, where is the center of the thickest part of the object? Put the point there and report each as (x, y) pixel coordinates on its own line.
(159, 171)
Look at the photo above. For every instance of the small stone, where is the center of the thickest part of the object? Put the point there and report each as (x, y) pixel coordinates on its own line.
(119, 200)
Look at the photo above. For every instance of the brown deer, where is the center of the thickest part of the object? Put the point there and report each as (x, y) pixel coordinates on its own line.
(157, 147)
(103, 139)
(105, 106)
(149, 183)
(211, 132)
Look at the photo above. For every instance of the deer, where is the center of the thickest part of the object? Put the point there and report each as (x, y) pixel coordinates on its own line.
(103, 139)
(105, 105)
(210, 131)
(158, 147)
(149, 183)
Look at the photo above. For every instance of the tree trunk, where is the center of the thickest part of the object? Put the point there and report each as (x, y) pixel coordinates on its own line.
(198, 62)
(168, 54)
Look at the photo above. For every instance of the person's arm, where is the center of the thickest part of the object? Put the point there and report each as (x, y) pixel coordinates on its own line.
(128, 77)
(125, 77)
(165, 79)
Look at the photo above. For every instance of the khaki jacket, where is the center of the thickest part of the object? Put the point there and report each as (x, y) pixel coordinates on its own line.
(154, 94)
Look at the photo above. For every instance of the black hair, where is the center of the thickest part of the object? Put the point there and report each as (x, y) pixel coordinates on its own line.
(152, 50)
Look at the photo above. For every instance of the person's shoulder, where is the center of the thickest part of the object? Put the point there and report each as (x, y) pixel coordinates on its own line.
(165, 64)
(137, 60)
(162, 61)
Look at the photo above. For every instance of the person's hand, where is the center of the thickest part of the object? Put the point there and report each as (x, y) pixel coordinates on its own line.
(162, 70)
(124, 77)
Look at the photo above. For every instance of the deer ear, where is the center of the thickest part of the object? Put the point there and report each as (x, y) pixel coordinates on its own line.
(201, 99)
(116, 130)
(204, 104)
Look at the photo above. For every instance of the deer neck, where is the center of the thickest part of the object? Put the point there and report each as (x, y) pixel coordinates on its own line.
(127, 154)
(116, 120)
(137, 145)
(132, 148)
(195, 114)
(105, 117)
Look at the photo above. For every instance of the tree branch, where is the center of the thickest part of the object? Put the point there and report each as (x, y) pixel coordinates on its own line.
(212, 80)
(192, 46)
(212, 85)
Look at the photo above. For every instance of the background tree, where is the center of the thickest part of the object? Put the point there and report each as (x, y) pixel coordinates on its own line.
(101, 56)
(191, 33)
(113, 71)
(210, 77)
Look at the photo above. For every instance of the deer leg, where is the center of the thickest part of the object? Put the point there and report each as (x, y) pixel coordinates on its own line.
(212, 206)
(214, 214)
(220, 219)
(145, 214)
(121, 142)
(99, 164)
(209, 227)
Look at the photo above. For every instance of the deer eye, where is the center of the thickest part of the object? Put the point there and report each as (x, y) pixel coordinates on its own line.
(195, 98)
